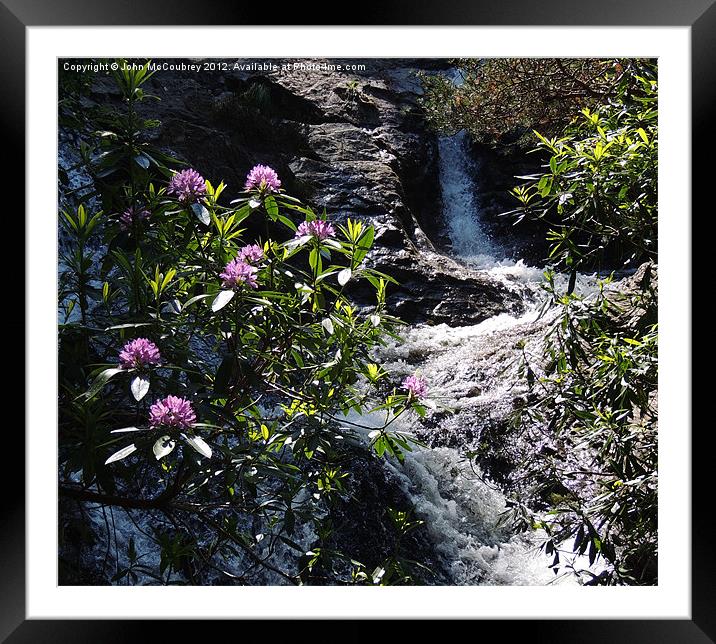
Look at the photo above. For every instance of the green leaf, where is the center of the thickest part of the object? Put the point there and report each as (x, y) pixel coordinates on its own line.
(286, 222)
(101, 380)
(271, 207)
(201, 213)
(139, 387)
(122, 453)
(364, 245)
(380, 446)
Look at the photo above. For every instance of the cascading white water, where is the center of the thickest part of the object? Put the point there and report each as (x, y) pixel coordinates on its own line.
(462, 519)
(471, 368)
(460, 205)
(461, 211)
(472, 373)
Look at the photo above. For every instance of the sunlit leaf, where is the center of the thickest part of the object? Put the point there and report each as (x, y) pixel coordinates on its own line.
(221, 300)
(139, 387)
(101, 380)
(344, 276)
(199, 445)
(165, 445)
(122, 453)
(201, 213)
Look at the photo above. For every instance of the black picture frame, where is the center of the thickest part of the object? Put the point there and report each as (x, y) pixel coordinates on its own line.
(16, 15)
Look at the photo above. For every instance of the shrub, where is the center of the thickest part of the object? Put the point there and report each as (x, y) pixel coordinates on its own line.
(595, 409)
(594, 406)
(208, 378)
(501, 100)
(598, 192)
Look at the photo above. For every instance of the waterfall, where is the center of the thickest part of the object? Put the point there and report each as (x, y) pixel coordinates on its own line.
(460, 205)
(471, 369)
(461, 514)
(461, 210)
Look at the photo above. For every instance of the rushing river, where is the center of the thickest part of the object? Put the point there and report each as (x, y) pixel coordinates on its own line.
(470, 369)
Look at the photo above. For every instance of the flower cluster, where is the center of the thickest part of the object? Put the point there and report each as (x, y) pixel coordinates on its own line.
(237, 273)
(317, 228)
(172, 412)
(263, 179)
(139, 353)
(416, 386)
(188, 186)
(251, 254)
(133, 215)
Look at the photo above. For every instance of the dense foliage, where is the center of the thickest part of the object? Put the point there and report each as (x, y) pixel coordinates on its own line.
(589, 476)
(593, 409)
(599, 194)
(596, 399)
(216, 383)
(501, 100)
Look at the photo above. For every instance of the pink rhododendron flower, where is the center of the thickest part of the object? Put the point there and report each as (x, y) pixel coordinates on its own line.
(139, 353)
(416, 385)
(172, 412)
(188, 186)
(262, 178)
(251, 254)
(133, 214)
(237, 273)
(316, 228)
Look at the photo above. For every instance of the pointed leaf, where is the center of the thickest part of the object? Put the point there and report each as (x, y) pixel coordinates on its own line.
(221, 300)
(139, 387)
(202, 214)
(101, 380)
(199, 445)
(172, 307)
(344, 276)
(327, 324)
(122, 453)
(196, 298)
(142, 161)
(291, 244)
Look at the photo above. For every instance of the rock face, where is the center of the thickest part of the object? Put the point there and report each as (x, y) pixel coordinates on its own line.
(352, 142)
(499, 169)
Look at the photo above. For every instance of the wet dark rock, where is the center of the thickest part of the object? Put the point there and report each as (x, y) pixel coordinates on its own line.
(637, 298)
(499, 169)
(362, 527)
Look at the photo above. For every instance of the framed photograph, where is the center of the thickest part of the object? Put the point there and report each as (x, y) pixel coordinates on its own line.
(358, 322)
